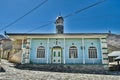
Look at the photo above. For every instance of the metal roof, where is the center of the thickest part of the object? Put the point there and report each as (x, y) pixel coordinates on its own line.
(114, 54)
(2, 37)
(56, 34)
(117, 58)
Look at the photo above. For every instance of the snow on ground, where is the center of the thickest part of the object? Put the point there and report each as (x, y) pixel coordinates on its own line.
(17, 74)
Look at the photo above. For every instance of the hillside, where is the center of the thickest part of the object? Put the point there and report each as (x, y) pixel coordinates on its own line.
(113, 42)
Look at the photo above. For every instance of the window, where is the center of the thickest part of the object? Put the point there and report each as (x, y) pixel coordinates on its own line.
(73, 52)
(41, 52)
(54, 54)
(92, 51)
(59, 54)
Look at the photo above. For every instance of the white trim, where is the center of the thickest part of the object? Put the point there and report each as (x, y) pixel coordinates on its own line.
(37, 53)
(89, 56)
(59, 24)
(47, 50)
(22, 58)
(58, 36)
(22, 53)
(73, 50)
(22, 43)
(58, 57)
(83, 50)
(64, 51)
(29, 48)
(101, 50)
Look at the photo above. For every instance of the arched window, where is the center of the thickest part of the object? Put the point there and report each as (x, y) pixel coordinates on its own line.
(92, 51)
(40, 52)
(73, 52)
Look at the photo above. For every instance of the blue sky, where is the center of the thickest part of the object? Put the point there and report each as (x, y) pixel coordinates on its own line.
(98, 19)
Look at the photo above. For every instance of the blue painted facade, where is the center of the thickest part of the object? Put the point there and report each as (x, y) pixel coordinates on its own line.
(65, 44)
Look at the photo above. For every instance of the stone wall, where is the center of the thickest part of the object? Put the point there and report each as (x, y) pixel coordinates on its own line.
(65, 68)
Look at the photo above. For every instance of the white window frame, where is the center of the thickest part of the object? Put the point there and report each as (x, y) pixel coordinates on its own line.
(92, 52)
(40, 55)
(73, 52)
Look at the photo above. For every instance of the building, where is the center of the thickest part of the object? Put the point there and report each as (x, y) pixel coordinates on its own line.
(5, 47)
(60, 47)
(114, 60)
(113, 55)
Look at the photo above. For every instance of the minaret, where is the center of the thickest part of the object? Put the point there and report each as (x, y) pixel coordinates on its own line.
(59, 25)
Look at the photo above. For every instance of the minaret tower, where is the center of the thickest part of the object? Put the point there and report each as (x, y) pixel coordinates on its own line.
(59, 25)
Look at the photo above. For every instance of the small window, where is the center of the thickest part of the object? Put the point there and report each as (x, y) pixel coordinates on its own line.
(41, 52)
(58, 60)
(54, 54)
(73, 52)
(92, 51)
(59, 54)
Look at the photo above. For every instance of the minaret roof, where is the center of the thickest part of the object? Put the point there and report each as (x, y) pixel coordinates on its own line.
(59, 17)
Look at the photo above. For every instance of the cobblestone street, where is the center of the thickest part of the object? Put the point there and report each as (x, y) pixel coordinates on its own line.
(17, 74)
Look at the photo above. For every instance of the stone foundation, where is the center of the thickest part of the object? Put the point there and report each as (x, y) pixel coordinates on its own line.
(65, 68)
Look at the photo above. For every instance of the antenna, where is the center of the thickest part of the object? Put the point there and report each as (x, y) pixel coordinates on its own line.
(59, 13)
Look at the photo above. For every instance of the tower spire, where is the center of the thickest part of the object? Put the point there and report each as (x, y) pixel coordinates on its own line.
(59, 25)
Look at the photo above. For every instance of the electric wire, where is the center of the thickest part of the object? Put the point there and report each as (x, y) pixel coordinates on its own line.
(69, 15)
(78, 11)
(41, 26)
(18, 19)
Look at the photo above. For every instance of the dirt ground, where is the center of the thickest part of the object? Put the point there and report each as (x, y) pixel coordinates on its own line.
(12, 73)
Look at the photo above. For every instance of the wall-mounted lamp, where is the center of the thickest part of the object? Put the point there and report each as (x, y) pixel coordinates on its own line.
(91, 43)
(72, 43)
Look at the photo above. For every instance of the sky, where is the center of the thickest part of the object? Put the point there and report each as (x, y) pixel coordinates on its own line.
(98, 19)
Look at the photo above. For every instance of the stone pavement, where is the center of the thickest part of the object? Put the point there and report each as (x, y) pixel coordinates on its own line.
(17, 74)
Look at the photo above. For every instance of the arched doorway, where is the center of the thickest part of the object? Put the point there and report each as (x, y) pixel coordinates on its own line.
(56, 55)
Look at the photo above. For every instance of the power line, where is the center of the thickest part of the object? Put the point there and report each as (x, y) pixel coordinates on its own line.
(41, 26)
(24, 15)
(80, 10)
(71, 14)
